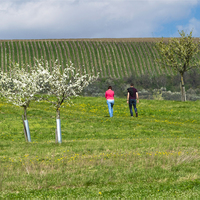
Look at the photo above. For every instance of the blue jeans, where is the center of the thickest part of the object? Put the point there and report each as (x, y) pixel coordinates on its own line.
(132, 102)
(110, 107)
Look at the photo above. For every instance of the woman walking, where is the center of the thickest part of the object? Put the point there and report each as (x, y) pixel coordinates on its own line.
(109, 95)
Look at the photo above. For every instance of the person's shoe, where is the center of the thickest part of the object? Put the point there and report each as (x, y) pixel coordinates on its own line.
(136, 114)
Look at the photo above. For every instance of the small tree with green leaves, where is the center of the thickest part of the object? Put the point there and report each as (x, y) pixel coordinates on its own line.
(180, 54)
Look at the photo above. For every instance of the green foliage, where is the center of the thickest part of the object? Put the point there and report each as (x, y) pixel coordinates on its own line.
(180, 54)
(153, 156)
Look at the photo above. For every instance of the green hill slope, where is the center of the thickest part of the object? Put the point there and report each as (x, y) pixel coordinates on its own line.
(116, 58)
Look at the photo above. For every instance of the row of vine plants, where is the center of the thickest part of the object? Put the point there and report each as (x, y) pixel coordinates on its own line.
(116, 59)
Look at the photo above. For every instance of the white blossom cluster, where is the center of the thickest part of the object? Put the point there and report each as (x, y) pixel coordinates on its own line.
(20, 86)
(65, 84)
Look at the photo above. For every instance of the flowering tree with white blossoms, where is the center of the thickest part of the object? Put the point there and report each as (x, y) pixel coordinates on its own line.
(63, 85)
(20, 87)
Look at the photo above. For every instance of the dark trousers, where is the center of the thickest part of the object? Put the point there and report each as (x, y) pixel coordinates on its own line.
(132, 102)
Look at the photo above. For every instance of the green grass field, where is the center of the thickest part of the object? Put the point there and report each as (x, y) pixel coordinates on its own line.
(154, 156)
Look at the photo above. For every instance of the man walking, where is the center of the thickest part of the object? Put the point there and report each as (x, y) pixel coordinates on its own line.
(131, 99)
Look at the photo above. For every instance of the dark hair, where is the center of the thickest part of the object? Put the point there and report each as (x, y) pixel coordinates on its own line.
(110, 87)
(132, 84)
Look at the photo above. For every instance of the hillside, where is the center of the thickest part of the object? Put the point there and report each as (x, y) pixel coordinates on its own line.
(114, 58)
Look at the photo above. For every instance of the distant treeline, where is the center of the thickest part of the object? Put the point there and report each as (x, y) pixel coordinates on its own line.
(146, 82)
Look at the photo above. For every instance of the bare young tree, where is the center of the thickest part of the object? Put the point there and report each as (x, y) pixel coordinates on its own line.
(180, 54)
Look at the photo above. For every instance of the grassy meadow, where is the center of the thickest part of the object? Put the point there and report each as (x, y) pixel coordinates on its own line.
(154, 156)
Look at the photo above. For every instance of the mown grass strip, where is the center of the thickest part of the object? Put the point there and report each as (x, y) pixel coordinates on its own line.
(56, 54)
(111, 59)
(143, 57)
(7, 56)
(65, 58)
(60, 53)
(122, 67)
(44, 52)
(21, 56)
(4, 57)
(53, 58)
(78, 56)
(38, 49)
(13, 52)
(125, 59)
(75, 59)
(104, 54)
(84, 57)
(96, 58)
(150, 47)
(25, 43)
(32, 52)
(136, 58)
(69, 54)
(131, 63)
(35, 49)
(89, 58)
(151, 67)
(10, 56)
(162, 65)
(23, 50)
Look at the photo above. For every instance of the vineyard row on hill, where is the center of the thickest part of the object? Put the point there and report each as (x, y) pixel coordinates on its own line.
(116, 59)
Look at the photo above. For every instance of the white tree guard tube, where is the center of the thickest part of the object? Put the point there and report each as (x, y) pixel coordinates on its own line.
(59, 130)
(27, 130)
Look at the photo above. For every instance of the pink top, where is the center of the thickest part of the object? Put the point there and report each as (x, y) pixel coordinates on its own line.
(109, 94)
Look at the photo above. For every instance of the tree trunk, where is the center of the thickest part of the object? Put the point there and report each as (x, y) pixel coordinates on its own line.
(181, 91)
(183, 94)
(58, 113)
(25, 133)
(25, 115)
